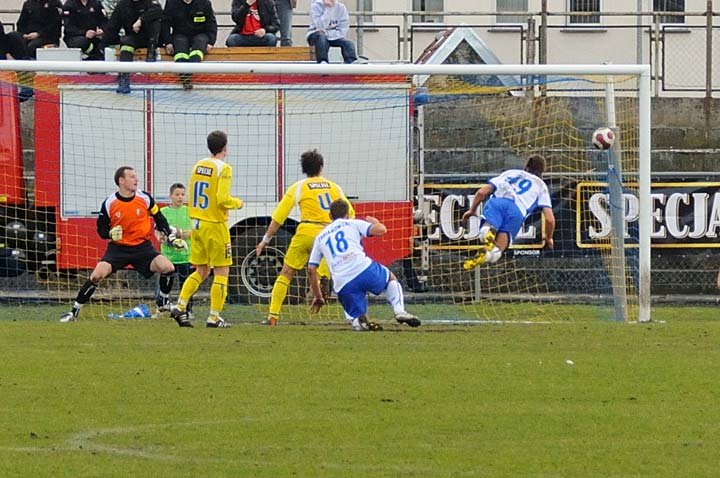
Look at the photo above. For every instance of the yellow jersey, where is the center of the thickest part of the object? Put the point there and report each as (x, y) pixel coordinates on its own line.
(313, 196)
(210, 198)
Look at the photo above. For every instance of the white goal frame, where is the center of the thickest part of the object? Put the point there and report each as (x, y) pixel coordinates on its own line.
(642, 72)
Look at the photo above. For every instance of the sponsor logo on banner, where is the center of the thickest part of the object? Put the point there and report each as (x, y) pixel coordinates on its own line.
(683, 214)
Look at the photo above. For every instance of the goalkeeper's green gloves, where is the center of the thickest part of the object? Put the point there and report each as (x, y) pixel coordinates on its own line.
(116, 233)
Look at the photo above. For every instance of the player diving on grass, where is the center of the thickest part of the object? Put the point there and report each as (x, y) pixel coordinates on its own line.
(512, 197)
(353, 273)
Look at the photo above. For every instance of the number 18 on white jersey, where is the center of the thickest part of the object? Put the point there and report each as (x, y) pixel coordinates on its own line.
(340, 244)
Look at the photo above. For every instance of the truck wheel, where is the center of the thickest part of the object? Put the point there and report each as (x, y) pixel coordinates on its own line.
(252, 277)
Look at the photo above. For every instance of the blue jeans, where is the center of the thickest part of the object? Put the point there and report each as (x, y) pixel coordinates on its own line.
(322, 46)
(238, 39)
(285, 14)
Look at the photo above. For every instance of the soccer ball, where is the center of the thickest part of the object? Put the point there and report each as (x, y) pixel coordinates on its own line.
(603, 138)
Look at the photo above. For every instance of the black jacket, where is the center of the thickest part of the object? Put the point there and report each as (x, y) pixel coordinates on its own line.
(79, 18)
(266, 9)
(41, 16)
(128, 11)
(13, 43)
(4, 43)
(188, 19)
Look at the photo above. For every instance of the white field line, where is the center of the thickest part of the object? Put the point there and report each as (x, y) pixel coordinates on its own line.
(83, 442)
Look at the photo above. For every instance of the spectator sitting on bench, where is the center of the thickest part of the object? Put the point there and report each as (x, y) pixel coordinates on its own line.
(256, 23)
(189, 30)
(12, 47)
(329, 25)
(84, 21)
(140, 20)
(39, 23)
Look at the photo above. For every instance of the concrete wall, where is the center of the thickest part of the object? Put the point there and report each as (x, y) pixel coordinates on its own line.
(685, 137)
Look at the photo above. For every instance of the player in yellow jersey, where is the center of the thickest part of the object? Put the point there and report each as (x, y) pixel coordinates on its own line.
(210, 201)
(313, 196)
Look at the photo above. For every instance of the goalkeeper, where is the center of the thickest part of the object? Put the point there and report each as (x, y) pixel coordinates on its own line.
(513, 196)
(125, 220)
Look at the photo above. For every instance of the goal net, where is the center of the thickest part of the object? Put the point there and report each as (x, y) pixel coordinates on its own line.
(409, 144)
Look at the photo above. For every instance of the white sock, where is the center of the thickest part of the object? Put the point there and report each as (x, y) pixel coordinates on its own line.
(483, 233)
(395, 296)
(491, 257)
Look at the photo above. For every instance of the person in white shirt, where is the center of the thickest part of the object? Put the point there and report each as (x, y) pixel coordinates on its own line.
(329, 25)
(353, 273)
(513, 196)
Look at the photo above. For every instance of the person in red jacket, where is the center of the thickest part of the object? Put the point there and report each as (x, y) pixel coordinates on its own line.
(256, 23)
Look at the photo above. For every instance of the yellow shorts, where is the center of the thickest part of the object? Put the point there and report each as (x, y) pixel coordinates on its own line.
(298, 253)
(210, 244)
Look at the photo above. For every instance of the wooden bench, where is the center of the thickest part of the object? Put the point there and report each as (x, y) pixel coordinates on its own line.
(243, 53)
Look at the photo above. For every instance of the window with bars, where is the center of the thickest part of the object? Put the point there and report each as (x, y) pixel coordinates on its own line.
(670, 6)
(585, 6)
(511, 6)
(428, 6)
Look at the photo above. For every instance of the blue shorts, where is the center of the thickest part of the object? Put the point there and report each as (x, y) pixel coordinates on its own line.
(353, 295)
(503, 215)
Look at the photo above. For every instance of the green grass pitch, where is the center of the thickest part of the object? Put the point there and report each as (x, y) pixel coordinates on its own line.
(574, 398)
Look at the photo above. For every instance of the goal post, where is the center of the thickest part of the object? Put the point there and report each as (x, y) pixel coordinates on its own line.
(408, 143)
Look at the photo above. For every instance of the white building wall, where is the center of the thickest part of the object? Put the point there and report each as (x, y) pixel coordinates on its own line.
(614, 39)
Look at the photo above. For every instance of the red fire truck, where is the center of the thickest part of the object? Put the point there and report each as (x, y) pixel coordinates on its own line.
(84, 131)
